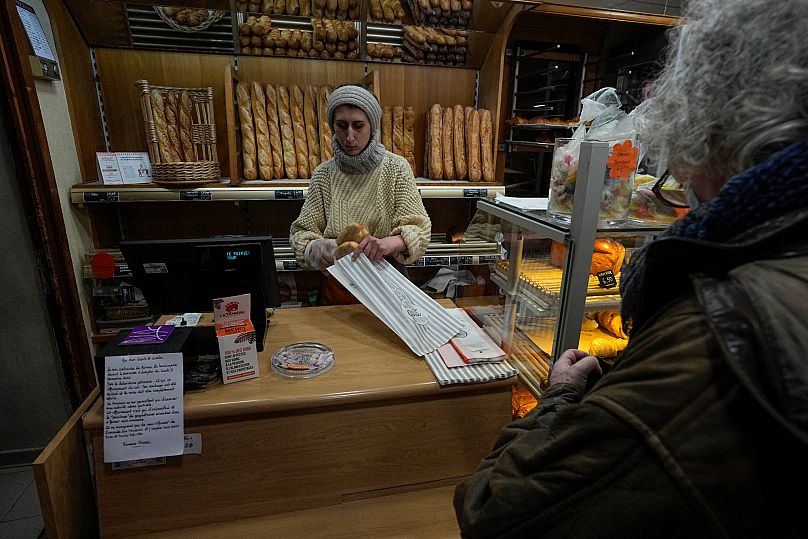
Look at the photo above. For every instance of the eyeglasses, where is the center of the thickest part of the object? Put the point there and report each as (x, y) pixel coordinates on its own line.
(669, 191)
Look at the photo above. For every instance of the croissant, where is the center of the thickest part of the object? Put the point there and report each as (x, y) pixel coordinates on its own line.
(606, 346)
(612, 322)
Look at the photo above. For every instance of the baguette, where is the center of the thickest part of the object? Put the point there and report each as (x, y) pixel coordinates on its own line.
(447, 148)
(387, 128)
(292, 7)
(409, 137)
(172, 127)
(263, 153)
(486, 146)
(330, 9)
(475, 170)
(299, 129)
(159, 119)
(248, 151)
(326, 150)
(275, 145)
(398, 130)
(388, 11)
(376, 13)
(317, 7)
(459, 143)
(312, 135)
(305, 8)
(186, 140)
(287, 132)
(435, 147)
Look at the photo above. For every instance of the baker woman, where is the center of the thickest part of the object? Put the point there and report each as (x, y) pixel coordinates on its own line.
(362, 183)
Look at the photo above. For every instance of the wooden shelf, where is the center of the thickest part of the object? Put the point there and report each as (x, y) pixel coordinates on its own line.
(96, 192)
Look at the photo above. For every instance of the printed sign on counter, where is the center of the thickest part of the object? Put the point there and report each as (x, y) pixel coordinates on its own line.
(236, 335)
(143, 408)
(115, 168)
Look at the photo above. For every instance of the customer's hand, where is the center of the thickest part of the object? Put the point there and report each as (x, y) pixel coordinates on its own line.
(576, 367)
(320, 253)
(376, 248)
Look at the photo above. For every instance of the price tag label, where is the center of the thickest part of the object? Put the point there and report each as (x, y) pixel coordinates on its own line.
(606, 279)
(196, 195)
(465, 260)
(290, 264)
(101, 196)
(488, 259)
(288, 194)
(436, 260)
(193, 444)
(475, 193)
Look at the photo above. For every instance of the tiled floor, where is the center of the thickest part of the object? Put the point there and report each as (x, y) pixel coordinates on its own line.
(19, 505)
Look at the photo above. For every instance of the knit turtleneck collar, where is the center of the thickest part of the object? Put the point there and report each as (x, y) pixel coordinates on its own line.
(362, 163)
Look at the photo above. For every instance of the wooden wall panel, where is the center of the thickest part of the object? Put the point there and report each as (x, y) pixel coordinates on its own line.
(299, 71)
(77, 76)
(119, 69)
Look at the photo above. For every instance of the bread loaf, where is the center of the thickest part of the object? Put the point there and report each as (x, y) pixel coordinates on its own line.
(325, 130)
(409, 137)
(172, 126)
(264, 154)
(612, 322)
(248, 150)
(398, 130)
(387, 128)
(186, 141)
(435, 147)
(292, 7)
(312, 134)
(486, 145)
(607, 255)
(447, 145)
(275, 145)
(159, 119)
(287, 132)
(474, 165)
(459, 142)
(345, 248)
(354, 232)
(299, 128)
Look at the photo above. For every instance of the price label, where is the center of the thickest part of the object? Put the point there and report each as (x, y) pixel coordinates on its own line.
(436, 260)
(475, 193)
(606, 279)
(465, 260)
(196, 195)
(288, 194)
(101, 196)
(290, 265)
(488, 259)
(193, 444)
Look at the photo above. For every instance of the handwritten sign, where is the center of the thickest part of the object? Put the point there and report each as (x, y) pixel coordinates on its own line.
(622, 162)
(143, 409)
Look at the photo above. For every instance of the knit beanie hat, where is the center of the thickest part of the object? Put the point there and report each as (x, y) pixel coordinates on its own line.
(373, 154)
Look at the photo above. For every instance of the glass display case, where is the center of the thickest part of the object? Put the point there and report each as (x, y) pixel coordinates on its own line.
(559, 286)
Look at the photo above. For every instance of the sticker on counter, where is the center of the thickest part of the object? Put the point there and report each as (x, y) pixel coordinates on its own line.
(101, 196)
(475, 193)
(193, 443)
(155, 267)
(196, 195)
(606, 279)
(288, 194)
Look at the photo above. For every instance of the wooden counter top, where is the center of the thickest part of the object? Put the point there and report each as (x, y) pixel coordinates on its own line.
(371, 363)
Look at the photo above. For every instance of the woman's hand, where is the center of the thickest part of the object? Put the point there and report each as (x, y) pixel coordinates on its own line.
(377, 248)
(576, 367)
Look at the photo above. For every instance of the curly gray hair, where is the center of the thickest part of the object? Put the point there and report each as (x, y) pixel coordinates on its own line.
(734, 89)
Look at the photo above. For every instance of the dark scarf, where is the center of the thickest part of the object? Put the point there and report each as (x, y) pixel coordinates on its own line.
(362, 163)
(776, 186)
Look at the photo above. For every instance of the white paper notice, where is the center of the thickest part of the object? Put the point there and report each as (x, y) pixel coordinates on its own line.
(143, 412)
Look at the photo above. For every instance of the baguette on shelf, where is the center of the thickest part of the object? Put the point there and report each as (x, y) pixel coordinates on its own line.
(435, 46)
(445, 13)
(332, 9)
(386, 11)
(459, 144)
(384, 53)
(327, 39)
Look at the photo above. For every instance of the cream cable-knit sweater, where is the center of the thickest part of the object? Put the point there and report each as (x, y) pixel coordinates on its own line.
(385, 200)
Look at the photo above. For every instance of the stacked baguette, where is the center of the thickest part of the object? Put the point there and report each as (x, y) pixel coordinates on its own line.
(459, 144)
(284, 130)
(386, 11)
(435, 46)
(172, 114)
(384, 53)
(398, 132)
(331, 9)
(329, 39)
(448, 13)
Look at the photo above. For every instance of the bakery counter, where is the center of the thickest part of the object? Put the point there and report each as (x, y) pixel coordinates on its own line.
(375, 424)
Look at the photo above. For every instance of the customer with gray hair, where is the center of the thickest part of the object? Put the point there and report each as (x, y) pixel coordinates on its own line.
(701, 427)
(363, 183)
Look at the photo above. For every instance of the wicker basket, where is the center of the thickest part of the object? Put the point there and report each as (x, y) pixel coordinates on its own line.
(203, 139)
(213, 16)
(127, 311)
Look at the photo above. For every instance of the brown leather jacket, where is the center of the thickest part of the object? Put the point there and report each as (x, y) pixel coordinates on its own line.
(701, 429)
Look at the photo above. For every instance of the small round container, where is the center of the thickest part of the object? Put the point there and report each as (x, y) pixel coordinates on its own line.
(302, 360)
